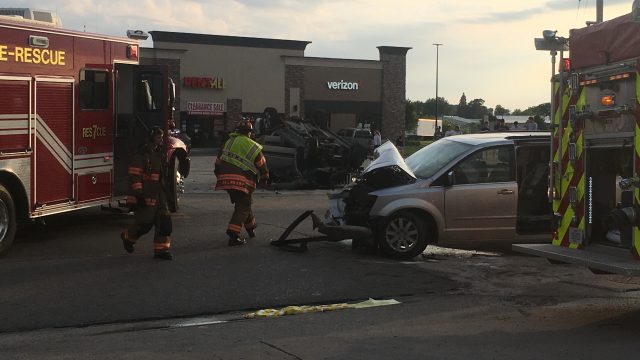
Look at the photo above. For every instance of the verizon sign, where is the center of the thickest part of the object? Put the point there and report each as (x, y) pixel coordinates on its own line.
(343, 85)
(204, 108)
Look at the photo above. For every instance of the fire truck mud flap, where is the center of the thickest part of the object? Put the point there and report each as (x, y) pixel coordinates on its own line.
(332, 233)
(598, 258)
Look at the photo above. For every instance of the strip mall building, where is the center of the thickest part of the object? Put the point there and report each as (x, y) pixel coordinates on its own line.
(223, 78)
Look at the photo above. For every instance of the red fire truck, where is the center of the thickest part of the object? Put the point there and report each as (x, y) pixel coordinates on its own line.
(595, 165)
(74, 107)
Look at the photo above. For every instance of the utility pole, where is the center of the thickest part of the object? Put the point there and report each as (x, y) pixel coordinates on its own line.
(437, 56)
(599, 11)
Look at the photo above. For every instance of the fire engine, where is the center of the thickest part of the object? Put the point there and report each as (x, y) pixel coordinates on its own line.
(74, 107)
(595, 162)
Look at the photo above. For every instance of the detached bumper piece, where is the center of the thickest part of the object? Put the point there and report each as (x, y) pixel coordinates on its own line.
(332, 233)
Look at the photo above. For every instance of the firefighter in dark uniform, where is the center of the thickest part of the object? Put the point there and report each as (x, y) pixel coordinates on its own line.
(239, 167)
(148, 199)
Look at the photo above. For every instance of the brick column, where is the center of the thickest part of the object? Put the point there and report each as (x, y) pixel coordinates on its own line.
(394, 83)
(293, 78)
(234, 113)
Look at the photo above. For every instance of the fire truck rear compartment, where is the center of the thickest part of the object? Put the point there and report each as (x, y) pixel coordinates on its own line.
(605, 168)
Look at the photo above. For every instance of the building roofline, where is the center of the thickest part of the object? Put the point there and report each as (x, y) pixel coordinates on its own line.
(331, 62)
(394, 50)
(162, 49)
(224, 40)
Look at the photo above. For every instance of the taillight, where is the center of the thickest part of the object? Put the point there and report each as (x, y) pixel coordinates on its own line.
(608, 100)
(620, 76)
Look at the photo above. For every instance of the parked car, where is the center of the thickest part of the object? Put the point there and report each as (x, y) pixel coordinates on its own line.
(357, 136)
(464, 189)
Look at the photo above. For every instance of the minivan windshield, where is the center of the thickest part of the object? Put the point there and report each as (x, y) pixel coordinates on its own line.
(427, 161)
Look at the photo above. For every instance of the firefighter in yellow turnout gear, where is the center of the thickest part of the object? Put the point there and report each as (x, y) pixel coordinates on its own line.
(148, 199)
(239, 166)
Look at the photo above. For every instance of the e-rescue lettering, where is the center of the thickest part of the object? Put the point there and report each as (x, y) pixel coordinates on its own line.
(32, 56)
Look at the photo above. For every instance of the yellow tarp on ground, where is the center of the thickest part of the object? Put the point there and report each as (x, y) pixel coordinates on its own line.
(303, 309)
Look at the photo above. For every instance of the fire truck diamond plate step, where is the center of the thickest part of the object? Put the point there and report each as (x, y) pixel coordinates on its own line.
(598, 257)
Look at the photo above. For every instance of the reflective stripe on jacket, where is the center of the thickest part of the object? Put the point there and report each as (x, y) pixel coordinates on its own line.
(145, 177)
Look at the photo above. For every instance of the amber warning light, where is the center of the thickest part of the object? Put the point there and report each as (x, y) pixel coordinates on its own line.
(132, 52)
(608, 100)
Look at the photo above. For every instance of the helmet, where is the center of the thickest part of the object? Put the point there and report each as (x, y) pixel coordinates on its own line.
(244, 126)
(155, 131)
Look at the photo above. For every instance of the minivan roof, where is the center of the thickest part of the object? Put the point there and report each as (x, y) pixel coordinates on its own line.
(485, 137)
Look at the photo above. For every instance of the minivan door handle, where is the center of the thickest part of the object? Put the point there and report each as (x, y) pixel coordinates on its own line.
(505, 192)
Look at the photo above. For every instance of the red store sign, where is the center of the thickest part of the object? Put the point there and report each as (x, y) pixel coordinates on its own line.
(204, 108)
(203, 82)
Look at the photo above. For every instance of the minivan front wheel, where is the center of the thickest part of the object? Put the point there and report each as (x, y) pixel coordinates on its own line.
(404, 235)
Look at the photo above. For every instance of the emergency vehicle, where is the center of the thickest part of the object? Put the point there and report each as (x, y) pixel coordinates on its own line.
(595, 165)
(74, 107)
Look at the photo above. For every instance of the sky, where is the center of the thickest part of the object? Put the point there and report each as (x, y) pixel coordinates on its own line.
(488, 48)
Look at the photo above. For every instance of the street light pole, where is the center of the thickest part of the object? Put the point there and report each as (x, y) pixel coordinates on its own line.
(437, 56)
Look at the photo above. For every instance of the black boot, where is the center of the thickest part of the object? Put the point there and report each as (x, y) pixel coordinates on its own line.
(251, 233)
(127, 244)
(235, 240)
(163, 254)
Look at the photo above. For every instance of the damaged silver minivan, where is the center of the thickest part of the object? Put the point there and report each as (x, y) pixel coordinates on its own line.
(462, 190)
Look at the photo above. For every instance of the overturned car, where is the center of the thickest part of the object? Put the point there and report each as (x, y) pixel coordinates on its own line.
(305, 153)
(466, 189)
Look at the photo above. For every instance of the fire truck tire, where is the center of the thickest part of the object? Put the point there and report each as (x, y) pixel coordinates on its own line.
(174, 185)
(7, 220)
(403, 236)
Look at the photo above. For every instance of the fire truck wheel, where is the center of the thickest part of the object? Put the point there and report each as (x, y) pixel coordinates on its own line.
(174, 184)
(403, 236)
(7, 220)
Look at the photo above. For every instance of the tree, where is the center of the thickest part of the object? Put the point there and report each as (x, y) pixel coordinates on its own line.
(429, 107)
(411, 118)
(462, 110)
(541, 110)
(476, 109)
(463, 100)
(501, 111)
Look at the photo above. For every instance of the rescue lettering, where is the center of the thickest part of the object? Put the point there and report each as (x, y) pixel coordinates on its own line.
(32, 55)
(94, 131)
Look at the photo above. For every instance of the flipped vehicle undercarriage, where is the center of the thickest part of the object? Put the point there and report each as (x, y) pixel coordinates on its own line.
(306, 154)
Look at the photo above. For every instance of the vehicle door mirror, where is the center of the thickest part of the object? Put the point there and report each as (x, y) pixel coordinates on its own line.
(146, 97)
(451, 178)
(172, 94)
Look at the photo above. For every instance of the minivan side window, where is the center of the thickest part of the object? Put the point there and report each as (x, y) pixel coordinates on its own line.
(489, 165)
